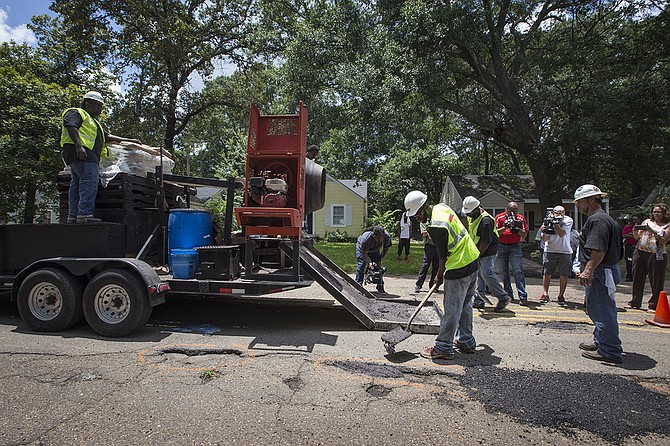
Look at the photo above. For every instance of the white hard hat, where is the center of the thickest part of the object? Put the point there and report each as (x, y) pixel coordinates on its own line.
(470, 203)
(413, 202)
(588, 190)
(559, 209)
(95, 96)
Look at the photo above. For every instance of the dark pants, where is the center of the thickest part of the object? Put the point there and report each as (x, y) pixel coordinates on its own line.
(645, 263)
(403, 243)
(628, 254)
(430, 260)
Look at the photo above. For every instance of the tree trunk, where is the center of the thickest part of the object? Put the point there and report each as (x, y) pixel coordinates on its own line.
(29, 209)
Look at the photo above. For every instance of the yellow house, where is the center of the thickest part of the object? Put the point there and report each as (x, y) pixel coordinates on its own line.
(346, 208)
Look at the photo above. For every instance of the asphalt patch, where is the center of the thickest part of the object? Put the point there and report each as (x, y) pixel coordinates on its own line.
(369, 368)
(609, 406)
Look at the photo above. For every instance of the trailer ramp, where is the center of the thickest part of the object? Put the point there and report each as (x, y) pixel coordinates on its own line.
(373, 312)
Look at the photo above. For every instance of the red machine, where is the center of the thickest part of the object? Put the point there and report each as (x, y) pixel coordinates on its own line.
(274, 199)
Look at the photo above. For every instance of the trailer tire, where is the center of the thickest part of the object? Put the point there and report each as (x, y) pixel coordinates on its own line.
(50, 299)
(116, 303)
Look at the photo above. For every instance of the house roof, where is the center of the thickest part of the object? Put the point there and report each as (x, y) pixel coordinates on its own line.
(513, 187)
(358, 187)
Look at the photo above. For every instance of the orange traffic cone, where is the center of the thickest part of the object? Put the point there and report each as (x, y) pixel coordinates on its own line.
(662, 315)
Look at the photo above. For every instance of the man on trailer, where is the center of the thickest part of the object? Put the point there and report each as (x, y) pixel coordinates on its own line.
(84, 143)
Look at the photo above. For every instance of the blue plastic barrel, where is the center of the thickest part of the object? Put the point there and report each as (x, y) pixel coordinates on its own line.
(184, 263)
(188, 229)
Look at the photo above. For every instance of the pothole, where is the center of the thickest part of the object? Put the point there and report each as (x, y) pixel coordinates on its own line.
(191, 351)
(294, 383)
(378, 391)
(369, 369)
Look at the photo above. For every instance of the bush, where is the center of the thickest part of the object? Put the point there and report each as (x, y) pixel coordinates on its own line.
(339, 236)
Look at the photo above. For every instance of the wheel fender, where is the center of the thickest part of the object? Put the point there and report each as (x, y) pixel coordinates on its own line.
(90, 267)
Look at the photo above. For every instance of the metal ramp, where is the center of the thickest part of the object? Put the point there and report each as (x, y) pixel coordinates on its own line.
(373, 312)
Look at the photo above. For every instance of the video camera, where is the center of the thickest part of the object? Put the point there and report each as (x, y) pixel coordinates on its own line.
(374, 275)
(550, 221)
(512, 223)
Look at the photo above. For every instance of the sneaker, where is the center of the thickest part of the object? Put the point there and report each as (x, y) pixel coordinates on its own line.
(598, 357)
(381, 290)
(417, 289)
(502, 303)
(523, 302)
(479, 305)
(71, 220)
(463, 349)
(544, 298)
(431, 353)
(630, 306)
(588, 347)
(561, 300)
(83, 219)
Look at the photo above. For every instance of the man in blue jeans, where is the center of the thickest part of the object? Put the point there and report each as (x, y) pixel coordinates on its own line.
(512, 229)
(84, 143)
(483, 233)
(600, 245)
(371, 248)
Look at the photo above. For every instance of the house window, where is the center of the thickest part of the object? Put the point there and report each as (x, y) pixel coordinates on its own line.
(337, 213)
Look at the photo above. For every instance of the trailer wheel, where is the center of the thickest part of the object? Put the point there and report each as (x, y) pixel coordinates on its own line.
(50, 299)
(116, 303)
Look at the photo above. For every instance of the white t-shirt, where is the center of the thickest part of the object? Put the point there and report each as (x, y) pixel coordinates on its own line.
(558, 244)
(404, 226)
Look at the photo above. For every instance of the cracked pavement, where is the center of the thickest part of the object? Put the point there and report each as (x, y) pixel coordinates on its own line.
(204, 372)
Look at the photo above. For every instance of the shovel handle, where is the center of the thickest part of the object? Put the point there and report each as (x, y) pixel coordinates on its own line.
(421, 304)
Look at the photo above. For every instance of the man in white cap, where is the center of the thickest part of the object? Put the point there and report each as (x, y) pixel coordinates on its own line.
(557, 252)
(600, 245)
(84, 143)
(482, 229)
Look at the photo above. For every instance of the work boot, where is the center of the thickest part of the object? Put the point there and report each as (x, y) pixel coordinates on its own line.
(502, 303)
(380, 289)
(417, 289)
(84, 219)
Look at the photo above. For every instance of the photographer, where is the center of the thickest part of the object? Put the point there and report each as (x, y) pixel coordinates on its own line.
(369, 252)
(512, 229)
(556, 229)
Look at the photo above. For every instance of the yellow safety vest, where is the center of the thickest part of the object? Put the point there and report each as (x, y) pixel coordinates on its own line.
(87, 132)
(473, 225)
(462, 250)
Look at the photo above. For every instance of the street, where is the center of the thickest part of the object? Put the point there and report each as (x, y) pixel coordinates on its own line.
(208, 372)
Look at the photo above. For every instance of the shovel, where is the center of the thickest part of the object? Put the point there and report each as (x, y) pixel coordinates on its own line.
(399, 334)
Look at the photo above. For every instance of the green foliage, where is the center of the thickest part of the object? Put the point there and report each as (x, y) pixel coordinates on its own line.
(30, 109)
(386, 219)
(344, 256)
(338, 236)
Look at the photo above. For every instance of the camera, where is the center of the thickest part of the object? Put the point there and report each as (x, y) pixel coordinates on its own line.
(512, 223)
(550, 221)
(375, 275)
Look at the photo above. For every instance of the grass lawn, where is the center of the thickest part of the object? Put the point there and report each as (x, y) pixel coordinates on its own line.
(344, 256)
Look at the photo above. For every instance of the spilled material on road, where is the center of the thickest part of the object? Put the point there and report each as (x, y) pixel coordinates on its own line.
(612, 407)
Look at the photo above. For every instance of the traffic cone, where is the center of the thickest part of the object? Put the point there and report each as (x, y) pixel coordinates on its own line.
(662, 315)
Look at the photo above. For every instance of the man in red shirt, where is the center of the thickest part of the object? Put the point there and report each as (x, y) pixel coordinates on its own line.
(512, 229)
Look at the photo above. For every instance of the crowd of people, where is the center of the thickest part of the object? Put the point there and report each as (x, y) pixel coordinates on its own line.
(461, 247)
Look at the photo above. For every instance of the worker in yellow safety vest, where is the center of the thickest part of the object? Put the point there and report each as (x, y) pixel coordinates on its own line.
(458, 268)
(84, 143)
(482, 229)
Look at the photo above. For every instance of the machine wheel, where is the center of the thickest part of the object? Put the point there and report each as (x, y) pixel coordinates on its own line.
(116, 303)
(50, 299)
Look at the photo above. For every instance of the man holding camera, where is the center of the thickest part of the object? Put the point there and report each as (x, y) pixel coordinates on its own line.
(512, 228)
(556, 229)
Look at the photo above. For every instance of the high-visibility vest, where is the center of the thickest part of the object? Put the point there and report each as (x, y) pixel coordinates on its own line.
(473, 225)
(462, 250)
(87, 132)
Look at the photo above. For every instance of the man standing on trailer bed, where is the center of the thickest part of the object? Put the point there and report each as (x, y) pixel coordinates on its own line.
(84, 143)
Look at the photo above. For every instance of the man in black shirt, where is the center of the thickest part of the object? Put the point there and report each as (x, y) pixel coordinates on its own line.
(599, 254)
(482, 229)
(84, 142)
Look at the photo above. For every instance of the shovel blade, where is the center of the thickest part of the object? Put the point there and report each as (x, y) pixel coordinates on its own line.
(396, 336)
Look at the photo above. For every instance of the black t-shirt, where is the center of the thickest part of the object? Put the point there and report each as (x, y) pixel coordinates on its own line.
(72, 118)
(486, 235)
(602, 233)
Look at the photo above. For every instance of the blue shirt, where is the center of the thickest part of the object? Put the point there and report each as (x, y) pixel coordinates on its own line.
(366, 242)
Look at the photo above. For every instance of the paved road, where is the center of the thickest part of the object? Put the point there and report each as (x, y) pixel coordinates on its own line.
(204, 372)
